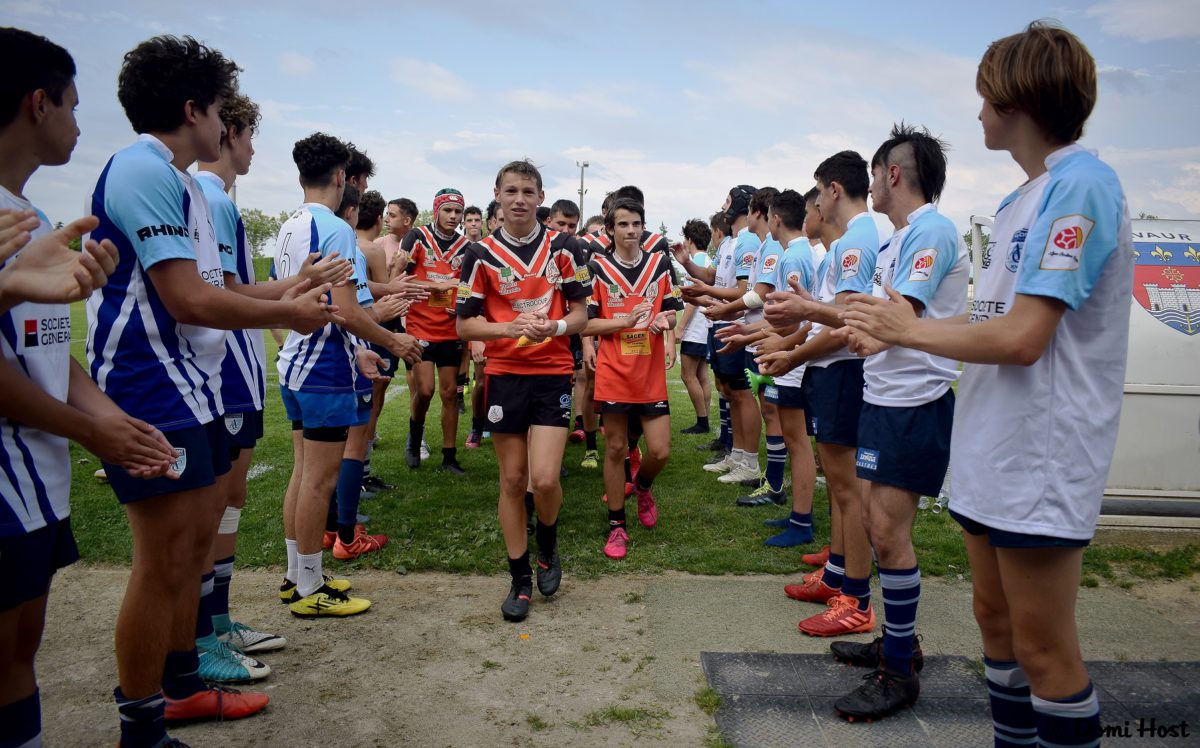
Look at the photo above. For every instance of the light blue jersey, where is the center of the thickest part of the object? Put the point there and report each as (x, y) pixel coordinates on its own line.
(152, 366)
(1032, 445)
(766, 265)
(35, 466)
(745, 252)
(323, 361)
(848, 266)
(796, 265)
(243, 372)
(926, 261)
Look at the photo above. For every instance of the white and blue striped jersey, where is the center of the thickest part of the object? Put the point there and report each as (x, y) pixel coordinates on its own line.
(764, 270)
(35, 467)
(322, 361)
(243, 372)
(848, 266)
(697, 327)
(1032, 445)
(927, 261)
(152, 366)
(726, 264)
(795, 265)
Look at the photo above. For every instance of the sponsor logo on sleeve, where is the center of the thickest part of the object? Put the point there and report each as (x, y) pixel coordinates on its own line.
(851, 263)
(747, 260)
(464, 292)
(1064, 247)
(769, 263)
(676, 293)
(163, 229)
(922, 267)
(582, 274)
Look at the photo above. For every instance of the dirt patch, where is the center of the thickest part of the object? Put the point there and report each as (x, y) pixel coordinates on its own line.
(432, 664)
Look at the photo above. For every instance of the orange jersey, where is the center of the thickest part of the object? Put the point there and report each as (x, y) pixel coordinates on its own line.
(501, 280)
(436, 260)
(631, 364)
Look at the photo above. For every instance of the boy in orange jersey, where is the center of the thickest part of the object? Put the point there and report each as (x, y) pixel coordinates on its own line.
(434, 260)
(523, 291)
(634, 301)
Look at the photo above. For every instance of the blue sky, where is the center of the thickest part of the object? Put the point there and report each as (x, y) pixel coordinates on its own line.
(684, 99)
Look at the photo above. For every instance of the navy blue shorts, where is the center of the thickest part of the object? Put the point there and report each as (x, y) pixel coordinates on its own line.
(729, 368)
(646, 410)
(1005, 539)
(517, 401)
(390, 362)
(442, 354)
(785, 397)
(695, 350)
(833, 396)
(243, 430)
(28, 561)
(908, 448)
(202, 455)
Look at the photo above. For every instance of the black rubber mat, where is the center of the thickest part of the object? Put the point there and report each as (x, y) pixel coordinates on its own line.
(771, 700)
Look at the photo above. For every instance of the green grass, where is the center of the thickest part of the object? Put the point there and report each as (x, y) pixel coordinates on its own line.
(635, 718)
(708, 700)
(438, 522)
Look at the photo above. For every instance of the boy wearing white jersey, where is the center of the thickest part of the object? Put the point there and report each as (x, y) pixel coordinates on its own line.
(156, 339)
(1045, 343)
(317, 376)
(48, 398)
(693, 332)
(908, 407)
(832, 392)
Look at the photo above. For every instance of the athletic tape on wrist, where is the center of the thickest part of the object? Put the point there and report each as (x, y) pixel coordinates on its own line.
(562, 328)
(752, 300)
(230, 520)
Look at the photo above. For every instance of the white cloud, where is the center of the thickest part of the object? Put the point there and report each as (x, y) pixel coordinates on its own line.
(593, 103)
(1123, 80)
(1148, 20)
(429, 78)
(464, 139)
(294, 63)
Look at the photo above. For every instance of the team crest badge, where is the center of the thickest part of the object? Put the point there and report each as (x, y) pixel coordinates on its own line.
(495, 414)
(180, 463)
(850, 263)
(1064, 248)
(1166, 278)
(233, 423)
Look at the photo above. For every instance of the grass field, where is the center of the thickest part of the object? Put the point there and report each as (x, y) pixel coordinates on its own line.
(440, 522)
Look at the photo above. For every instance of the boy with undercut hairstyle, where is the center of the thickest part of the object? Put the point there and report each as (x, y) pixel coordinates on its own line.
(435, 258)
(1045, 345)
(523, 290)
(156, 340)
(359, 169)
(48, 398)
(908, 407)
(832, 391)
(318, 375)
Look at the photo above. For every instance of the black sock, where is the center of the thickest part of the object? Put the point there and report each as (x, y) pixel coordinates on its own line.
(547, 539)
(331, 523)
(642, 483)
(528, 506)
(346, 533)
(589, 438)
(702, 422)
(460, 383)
(477, 424)
(520, 570)
(416, 432)
(616, 518)
(449, 455)
(579, 421)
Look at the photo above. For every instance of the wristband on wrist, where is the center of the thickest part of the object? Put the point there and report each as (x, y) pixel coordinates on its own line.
(752, 300)
(562, 328)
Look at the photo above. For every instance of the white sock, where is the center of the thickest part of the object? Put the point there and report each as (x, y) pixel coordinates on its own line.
(291, 556)
(735, 456)
(750, 460)
(310, 579)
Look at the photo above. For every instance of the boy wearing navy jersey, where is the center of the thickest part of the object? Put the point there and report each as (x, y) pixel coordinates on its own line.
(1045, 344)
(156, 340)
(48, 398)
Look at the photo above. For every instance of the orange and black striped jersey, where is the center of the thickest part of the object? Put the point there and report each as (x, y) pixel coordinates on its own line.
(437, 260)
(501, 280)
(631, 364)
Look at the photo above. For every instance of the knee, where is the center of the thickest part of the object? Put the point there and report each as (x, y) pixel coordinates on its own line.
(543, 485)
(657, 453)
(992, 616)
(513, 485)
(615, 449)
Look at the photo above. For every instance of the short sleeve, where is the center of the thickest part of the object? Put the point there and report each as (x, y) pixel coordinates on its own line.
(147, 202)
(745, 255)
(768, 264)
(576, 277)
(226, 223)
(926, 257)
(850, 268)
(472, 284)
(1072, 238)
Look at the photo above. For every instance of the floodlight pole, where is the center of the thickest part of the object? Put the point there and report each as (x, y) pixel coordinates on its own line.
(582, 165)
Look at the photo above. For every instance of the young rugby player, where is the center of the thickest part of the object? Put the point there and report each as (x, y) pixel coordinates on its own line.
(359, 169)
(317, 374)
(435, 257)
(523, 289)
(693, 338)
(473, 223)
(156, 339)
(832, 391)
(633, 302)
(908, 407)
(48, 398)
(1046, 342)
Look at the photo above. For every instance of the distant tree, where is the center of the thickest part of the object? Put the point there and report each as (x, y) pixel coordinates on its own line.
(662, 228)
(424, 218)
(261, 229)
(966, 237)
(1147, 216)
